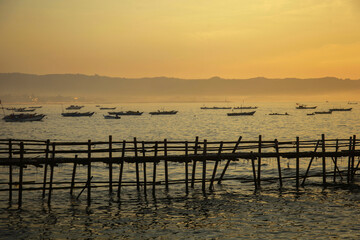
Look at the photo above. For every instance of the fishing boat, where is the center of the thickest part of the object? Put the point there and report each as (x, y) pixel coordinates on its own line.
(23, 117)
(323, 112)
(107, 108)
(11, 109)
(77, 114)
(127, 113)
(24, 110)
(310, 114)
(158, 112)
(215, 108)
(36, 107)
(111, 117)
(74, 107)
(302, 106)
(249, 107)
(352, 103)
(241, 113)
(340, 109)
(279, 114)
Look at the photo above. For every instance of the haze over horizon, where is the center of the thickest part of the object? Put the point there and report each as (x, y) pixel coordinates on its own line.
(185, 39)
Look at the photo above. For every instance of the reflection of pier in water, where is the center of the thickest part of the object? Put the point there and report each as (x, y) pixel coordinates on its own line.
(46, 154)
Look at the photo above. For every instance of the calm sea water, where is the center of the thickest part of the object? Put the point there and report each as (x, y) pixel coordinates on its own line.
(233, 210)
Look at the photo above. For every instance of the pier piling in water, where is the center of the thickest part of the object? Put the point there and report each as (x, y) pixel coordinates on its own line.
(35, 153)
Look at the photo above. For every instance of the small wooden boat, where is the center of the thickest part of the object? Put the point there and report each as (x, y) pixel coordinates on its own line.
(323, 112)
(302, 106)
(352, 103)
(340, 109)
(241, 113)
(127, 113)
(24, 110)
(158, 112)
(74, 107)
(279, 114)
(214, 108)
(78, 114)
(23, 117)
(111, 117)
(36, 107)
(107, 108)
(249, 107)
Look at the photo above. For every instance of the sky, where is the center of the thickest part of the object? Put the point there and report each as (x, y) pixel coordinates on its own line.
(182, 38)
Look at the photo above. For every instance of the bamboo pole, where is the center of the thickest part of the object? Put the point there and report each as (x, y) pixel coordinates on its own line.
(278, 162)
(335, 160)
(154, 168)
(73, 176)
(21, 174)
(121, 167)
(228, 162)
(186, 167)
(311, 160)
(323, 159)
(51, 173)
(137, 165)
(254, 172)
(297, 163)
(215, 167)
(144, 166)
(353, 158)
(46, 166)
(259, 161)
(89, 174)
(10, 172)
(166, 166)
(349, 161)
(204, 167)
(194, 163)
(110, 165)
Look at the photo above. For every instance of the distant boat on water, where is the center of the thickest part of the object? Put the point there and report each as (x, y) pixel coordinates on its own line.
(24, 110)
(340, 109)
(74, 107)
(279, 114)
(352, 103)
(127, 113)
(215, 108)
(36, 107)
(303, 106)
(158, 112)
(323, 112)
(77, 114)
(111, 116)
(249, 107)
(23, 117)
(107, 108)
(241, 113)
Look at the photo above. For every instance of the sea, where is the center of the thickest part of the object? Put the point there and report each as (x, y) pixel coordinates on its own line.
(233, 210)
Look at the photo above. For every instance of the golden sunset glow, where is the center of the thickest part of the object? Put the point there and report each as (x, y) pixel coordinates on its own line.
(188, 39)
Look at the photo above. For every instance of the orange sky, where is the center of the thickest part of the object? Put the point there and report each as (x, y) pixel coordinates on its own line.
(182, 38)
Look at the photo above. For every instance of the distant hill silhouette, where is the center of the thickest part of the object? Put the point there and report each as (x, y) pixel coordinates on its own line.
(115, 87)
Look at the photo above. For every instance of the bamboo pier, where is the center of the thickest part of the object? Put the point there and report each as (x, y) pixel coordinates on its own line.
(17, 154)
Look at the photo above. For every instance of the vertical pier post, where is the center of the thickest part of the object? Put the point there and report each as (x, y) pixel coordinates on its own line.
(353, 158)
(89, 174)
(137, 165)
(51, 172)
(46, 166)
(154, 168)
(323, 158)
(215, 166)
(110, 165)
(73, 176)
(194, 163)
(186, 167)
(121, 167)
(166, 166)
(311, 160)
(10, 171)
(204, 167)
(229, 160)
(297, 162)
(335, 160)
(349, 161)
(278, 162)
(259, 161)
(254, 170)
(21, 173)
(144, 166)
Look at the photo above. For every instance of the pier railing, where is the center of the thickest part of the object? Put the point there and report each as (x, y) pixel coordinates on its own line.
(18, 153)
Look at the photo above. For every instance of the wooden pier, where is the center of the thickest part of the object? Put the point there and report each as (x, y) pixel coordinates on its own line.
(18, 154)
